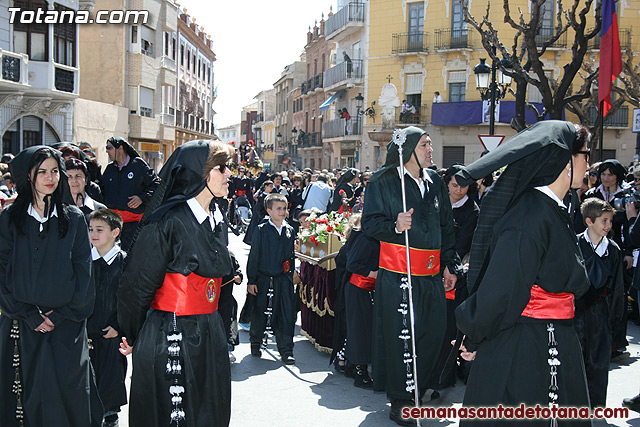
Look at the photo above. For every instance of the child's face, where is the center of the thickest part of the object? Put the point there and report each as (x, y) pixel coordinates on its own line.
(268, 188)
(101, 235)
(602, 225)
(278, 211)
(304, 223)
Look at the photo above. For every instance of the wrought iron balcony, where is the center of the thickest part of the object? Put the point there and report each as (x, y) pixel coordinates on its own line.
(547, 33)
(353, 12)
(409, 42)
(14, 67)
(420, 117)
(317, 81)
(449, 38)
(619, 119)
(623, 33)
(342, 72)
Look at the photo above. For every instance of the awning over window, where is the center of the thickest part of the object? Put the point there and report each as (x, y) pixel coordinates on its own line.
(328, 102)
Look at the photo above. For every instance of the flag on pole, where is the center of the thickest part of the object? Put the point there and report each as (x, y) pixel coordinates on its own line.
(610, 54)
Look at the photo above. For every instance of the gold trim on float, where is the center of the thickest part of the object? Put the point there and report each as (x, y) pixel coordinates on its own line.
(315, 344)
(312, 305)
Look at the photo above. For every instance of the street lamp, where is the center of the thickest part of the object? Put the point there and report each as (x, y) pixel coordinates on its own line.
(278, 140)
(490, 88)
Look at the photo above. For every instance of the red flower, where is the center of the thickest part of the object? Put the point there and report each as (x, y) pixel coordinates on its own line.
(329, 228)
(313, 240)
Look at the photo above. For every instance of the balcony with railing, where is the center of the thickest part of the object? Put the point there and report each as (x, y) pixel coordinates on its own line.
(619, 119)
(450, 38)
(14, 67)
(409, 43)
(317, 81)
(546, 33)
(168, 63)
(340, 128)
(348, 20)
(65, 78)
(310, 140)
(342, 74)
(623, 33)
(420, 117)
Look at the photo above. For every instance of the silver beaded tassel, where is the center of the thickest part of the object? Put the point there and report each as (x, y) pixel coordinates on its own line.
(553, 362)
(405, 335)
(268, 329)
(17, 384)
(174, 370)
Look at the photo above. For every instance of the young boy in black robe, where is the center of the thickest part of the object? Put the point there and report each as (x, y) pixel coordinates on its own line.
(601, 308)
(102, 327)
(270, 277)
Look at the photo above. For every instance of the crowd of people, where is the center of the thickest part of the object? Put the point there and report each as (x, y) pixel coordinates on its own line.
(520, 260)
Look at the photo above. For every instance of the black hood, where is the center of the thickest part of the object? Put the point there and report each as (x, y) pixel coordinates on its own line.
(118, 141)
(19, 168)
(347, 176)
(413, 135)
(534, 157)
(181, 178)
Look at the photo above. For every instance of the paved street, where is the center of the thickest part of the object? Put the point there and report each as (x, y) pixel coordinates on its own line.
(265, 392)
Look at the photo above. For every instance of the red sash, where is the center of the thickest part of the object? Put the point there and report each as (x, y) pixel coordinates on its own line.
(547, 305)
(366, 283)
(424, 262)
(187, 295)
(240, 193)
(129, 216)
(450, 294)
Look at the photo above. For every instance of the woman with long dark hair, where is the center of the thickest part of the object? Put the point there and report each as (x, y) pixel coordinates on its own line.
(169, 293)
(46, 295)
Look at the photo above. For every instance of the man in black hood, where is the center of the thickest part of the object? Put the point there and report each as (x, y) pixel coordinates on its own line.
(127, 185)
(434, 265)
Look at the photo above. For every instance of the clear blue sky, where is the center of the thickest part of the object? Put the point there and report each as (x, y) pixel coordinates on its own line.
(253, 41)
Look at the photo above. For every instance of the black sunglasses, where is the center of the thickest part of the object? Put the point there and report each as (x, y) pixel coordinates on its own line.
(586, 153)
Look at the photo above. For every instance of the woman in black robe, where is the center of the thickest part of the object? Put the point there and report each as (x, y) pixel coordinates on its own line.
(344, 190)
(46, 295)
(526, 269)
(169, 293)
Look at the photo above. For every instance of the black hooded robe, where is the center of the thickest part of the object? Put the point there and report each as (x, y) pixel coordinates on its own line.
(178, 244)
(53, 273)
(432, 228)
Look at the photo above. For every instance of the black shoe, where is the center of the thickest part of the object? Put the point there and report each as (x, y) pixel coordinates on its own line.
(395, 414)
(363, 380)
(349, 369)
(619, 355)
(632, 403)
(110, 421)
(338, 367)
(288, 359)
(255, 351)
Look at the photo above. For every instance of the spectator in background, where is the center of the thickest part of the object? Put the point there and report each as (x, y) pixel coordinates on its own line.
(347, 59)
(127, 185)
(437, 98)
(317, 194)
(78, 181)
(344, 114)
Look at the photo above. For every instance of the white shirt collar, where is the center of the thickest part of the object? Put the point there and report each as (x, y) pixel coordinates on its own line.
(421, 183)
(601, 249)
(201, 215)
(108, 257)
(89, 202)
(546, 190)
(460, 202)
(279, 229)
(608, 196)
(32, 211)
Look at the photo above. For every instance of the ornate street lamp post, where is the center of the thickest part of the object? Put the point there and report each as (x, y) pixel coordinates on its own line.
(492, 83)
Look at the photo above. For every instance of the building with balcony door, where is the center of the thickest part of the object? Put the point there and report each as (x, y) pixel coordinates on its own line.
(134, 80)
(424, 47)
(317, 54)
(248, 118)
(266, 112)
(290, 79)
(39, 83)
(191, 50)
(344, 83)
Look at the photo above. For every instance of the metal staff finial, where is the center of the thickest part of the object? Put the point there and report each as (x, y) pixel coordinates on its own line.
(399, 138)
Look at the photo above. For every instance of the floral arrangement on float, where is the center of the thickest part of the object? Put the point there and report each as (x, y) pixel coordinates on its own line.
(324, 234)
